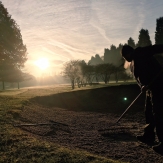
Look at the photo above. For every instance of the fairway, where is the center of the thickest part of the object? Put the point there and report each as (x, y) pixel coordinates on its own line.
(75, 123)
(12, 92)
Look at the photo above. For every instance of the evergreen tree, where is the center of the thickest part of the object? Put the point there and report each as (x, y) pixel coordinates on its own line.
(112, 55)
(95, 60)
(131, 42)
(144, 38)
(106, 55)
(119, 47)
(159, 31)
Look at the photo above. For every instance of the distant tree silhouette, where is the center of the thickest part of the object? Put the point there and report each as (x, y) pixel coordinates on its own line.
(95, 60)
(104, 71)
(159, 31)
(15, 75)
(119, 47)
(13, 52)
(113, 56)
(159, 38)
(119, 71)
(131, 42)
(72, 70)
(125, 76)
(5, 68)
(81, 79)
(144, 38)
(30, 80)
(90, 74)
(79, 72)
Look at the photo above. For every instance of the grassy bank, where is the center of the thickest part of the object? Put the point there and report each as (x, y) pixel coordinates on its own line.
(19, 146)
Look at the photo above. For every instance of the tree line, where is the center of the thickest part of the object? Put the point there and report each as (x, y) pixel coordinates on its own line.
(81, 73)
(102, 67)
(112, 55)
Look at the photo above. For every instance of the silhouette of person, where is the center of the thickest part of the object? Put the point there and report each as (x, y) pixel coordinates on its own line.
(149, 75)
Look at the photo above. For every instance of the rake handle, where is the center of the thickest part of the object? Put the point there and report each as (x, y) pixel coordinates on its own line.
(159, 73)
(128, 107)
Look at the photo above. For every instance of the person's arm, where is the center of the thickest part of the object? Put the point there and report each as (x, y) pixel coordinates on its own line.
(148, 51)
(157, 49)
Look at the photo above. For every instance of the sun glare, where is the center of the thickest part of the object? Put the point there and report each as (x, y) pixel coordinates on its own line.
(42, 63)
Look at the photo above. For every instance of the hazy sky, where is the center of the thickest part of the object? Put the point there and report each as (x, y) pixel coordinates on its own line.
(78, 29)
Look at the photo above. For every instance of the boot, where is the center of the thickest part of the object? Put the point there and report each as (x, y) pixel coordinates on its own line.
(147, 138)
(158, 148)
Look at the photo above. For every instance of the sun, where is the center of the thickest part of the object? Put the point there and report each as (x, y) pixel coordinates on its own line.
(42, 63)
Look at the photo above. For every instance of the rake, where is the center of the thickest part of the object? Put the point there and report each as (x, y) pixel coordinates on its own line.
(114, 124)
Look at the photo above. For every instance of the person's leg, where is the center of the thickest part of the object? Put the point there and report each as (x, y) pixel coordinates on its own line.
(149, 117)
(158, 111)
(158, 115)
(149, 134)
(159, 130)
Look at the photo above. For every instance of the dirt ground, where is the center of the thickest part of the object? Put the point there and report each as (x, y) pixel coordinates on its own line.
(85, 120)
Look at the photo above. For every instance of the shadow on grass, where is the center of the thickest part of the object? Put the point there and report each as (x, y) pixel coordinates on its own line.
(107, 99)
(119, 136)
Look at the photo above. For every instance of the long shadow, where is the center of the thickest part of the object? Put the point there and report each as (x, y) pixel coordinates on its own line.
(119, 136)
(107, 99)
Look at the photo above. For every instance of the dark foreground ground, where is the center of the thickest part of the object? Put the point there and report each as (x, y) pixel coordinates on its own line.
(79, 117)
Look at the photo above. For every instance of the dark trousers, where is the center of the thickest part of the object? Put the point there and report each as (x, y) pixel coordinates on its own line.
(154, 112)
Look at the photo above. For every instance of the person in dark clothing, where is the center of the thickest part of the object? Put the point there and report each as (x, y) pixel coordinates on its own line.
(149, 75)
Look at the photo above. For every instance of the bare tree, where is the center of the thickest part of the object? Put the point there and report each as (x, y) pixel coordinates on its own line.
(105, 71)
(72, 71)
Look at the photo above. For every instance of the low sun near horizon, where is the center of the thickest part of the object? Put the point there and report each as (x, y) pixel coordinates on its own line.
(42, 63)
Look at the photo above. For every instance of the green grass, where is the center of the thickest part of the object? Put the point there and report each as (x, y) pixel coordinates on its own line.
(17, 146)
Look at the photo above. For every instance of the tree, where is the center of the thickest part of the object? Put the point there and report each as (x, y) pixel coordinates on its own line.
(105, 70)
(159, 31)
(131, 42)
(90, 73)
(144, 38)
(5, 69)
(113, 56)
(81, 79)
(159, 38)
(13, 52)
(72, 70)
(95, 60)
(119, 71)
(16, 76)
(125, 76)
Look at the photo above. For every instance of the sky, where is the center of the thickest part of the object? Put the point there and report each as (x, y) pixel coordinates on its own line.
(71, 29)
